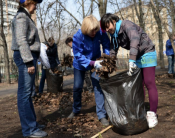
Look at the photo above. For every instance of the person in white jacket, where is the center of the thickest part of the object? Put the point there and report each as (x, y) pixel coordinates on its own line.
(45, 65)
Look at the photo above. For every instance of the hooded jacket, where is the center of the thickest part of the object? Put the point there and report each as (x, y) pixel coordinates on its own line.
(133, 38)
(86, 49)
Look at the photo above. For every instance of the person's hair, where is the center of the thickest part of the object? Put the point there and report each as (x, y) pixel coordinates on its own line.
(107, 18)
(68, 40)
(26, 3)
(46, 43)
(51, 40)
(89, 23)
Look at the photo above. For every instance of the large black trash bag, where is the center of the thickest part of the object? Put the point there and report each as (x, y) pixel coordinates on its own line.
(124, 103)
(54, 82)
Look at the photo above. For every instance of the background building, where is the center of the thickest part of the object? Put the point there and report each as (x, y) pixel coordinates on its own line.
(151, 27)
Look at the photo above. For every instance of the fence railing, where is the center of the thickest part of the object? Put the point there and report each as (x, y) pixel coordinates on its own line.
(122, 63)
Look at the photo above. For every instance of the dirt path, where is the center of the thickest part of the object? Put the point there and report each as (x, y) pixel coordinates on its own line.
(87, 124)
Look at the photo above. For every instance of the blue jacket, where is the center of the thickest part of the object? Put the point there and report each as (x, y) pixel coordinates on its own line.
(86, 49)
(169, 48)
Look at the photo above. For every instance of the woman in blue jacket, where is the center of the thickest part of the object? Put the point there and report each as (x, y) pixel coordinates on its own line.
(86, 49)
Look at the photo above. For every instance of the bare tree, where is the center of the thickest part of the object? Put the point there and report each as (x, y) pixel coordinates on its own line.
(4, 43)
(160, 33)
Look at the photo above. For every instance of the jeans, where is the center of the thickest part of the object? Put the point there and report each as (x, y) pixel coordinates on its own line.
(77, 90)
(33, 90)
(25, 87)
(42, 81)
(171, 64)
(88, 81)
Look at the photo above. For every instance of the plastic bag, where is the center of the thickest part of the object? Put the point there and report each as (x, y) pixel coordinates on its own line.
(124, 103)
(54, 82)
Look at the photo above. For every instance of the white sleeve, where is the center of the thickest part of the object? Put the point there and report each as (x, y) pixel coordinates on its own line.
(72, 54)
(43, 56)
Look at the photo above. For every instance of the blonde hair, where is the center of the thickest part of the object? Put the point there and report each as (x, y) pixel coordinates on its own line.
(26, 3)
(89, 23)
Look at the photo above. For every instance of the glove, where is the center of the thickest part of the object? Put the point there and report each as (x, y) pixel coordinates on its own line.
(97, 64)
(51, 72)
(132, 67)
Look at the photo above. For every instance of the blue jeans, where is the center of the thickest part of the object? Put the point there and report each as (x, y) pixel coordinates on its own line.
(42, 81)
(77, 90)
(25, 87)
(171, 64)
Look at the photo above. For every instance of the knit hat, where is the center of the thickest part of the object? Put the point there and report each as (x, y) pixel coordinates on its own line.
(38, 1)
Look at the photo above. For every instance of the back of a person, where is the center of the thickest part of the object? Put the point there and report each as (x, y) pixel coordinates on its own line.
(169, 49)
(146, 44)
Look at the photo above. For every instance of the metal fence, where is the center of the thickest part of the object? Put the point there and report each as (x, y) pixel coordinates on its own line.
(122, 63)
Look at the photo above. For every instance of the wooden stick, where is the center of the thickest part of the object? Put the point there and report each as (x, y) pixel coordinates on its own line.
(102, 131)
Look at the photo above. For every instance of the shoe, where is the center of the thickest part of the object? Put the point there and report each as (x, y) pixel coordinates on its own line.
(104, 122)
(170, 75)
(72, 115)
(41, 126)
(38, 134)
(151, 119)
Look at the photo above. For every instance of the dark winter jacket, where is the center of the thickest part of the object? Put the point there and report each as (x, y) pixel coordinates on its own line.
(52, 54)
(169, 48)
(133, 38)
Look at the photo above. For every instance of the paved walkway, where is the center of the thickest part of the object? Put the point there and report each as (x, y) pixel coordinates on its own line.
(13, 90)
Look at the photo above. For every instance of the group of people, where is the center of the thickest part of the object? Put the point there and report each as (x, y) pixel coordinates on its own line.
(86, 49)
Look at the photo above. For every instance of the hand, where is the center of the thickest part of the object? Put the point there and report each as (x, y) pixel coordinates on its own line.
(132, 67)
(31, 70)
(59, 65)
(51, 72)
(97, 64)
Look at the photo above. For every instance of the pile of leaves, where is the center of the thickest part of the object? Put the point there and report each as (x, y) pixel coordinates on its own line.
(108, 66)
(80, 126)
(67, 61)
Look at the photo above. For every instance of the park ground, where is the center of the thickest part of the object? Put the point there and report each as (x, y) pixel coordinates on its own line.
(52, 110)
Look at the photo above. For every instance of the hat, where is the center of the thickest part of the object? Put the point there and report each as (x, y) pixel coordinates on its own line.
(38, 1)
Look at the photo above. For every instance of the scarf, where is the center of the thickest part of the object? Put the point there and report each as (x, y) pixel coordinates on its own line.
(115, 35)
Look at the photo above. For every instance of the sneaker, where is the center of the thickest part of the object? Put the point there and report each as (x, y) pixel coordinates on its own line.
(38, 134)
(104, 122)
(72, 115)
(151, 119)
(41, 126)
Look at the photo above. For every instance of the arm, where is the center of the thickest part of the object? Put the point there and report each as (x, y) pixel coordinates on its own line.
(78, 46)
(134, 37)
(21, 39)
(105, 43)
(57, 59)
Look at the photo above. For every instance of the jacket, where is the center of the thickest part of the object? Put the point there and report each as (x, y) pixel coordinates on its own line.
(25, 36)
(86, 49)
(133, 38)
(169, 48)
(52, 54)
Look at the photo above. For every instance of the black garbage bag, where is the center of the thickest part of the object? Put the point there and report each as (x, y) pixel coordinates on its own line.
(124, 103)
(54, 82)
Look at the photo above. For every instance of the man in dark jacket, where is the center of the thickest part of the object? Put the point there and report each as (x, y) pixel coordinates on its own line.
(170, 55)
(52, 54)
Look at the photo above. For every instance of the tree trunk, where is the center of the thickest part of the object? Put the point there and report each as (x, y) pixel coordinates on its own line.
(102, 7)
(6, 57)
(159, 24)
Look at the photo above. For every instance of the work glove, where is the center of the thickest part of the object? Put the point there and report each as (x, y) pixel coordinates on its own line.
(51, 72)
(132, 67)
(97, 64)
